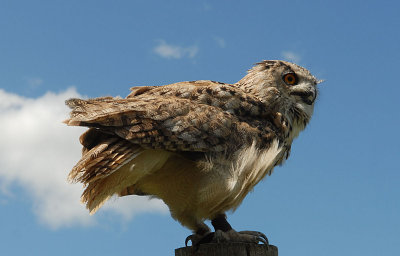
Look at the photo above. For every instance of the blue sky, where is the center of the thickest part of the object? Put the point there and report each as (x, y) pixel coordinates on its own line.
(340, 189)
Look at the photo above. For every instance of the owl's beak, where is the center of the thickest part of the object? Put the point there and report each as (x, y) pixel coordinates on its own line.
(307, 96)
(320, 81)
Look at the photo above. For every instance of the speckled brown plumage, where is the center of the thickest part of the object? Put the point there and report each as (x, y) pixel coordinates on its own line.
(200, 146)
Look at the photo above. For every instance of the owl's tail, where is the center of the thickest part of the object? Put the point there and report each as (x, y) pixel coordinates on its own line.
(112, 166)
(102, 156)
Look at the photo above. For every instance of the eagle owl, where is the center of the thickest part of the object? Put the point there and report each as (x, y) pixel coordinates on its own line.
(200, 146)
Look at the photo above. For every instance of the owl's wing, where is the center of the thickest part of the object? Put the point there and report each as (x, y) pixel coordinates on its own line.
(159, 122)
(227, 97)
(186, 116)
(199, 117)
(123, 127)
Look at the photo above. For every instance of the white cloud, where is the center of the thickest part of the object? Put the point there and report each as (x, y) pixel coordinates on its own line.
(291, 56)
(170, 51)
(36, 153)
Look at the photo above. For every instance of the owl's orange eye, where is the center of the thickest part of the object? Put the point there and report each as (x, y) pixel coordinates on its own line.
(290, 79)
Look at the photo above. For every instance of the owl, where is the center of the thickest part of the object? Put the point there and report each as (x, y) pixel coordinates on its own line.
(200, 146)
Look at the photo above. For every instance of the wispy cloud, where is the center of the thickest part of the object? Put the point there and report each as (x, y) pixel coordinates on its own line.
(34, 82)
(36, 153)
(291, 56)
(170, 51)
(220, 41)
(207, 6)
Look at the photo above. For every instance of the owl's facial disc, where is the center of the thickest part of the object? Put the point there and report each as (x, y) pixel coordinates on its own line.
(301, 87)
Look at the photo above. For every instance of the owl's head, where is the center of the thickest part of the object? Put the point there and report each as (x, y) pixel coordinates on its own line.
(287, 82)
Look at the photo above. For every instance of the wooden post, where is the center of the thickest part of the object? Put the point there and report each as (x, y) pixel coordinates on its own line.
(229, 249)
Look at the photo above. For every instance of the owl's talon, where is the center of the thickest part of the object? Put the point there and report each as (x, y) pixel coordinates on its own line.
(260, 237)
(189, 238)
(197, 239)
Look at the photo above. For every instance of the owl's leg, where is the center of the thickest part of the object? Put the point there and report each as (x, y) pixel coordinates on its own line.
(225, 233)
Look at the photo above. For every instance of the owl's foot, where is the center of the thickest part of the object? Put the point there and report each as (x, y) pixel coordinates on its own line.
(224, 233)
(254, 237)
(229, 236)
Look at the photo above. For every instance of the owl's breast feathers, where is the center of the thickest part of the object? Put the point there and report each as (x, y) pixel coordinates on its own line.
(199, 127)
